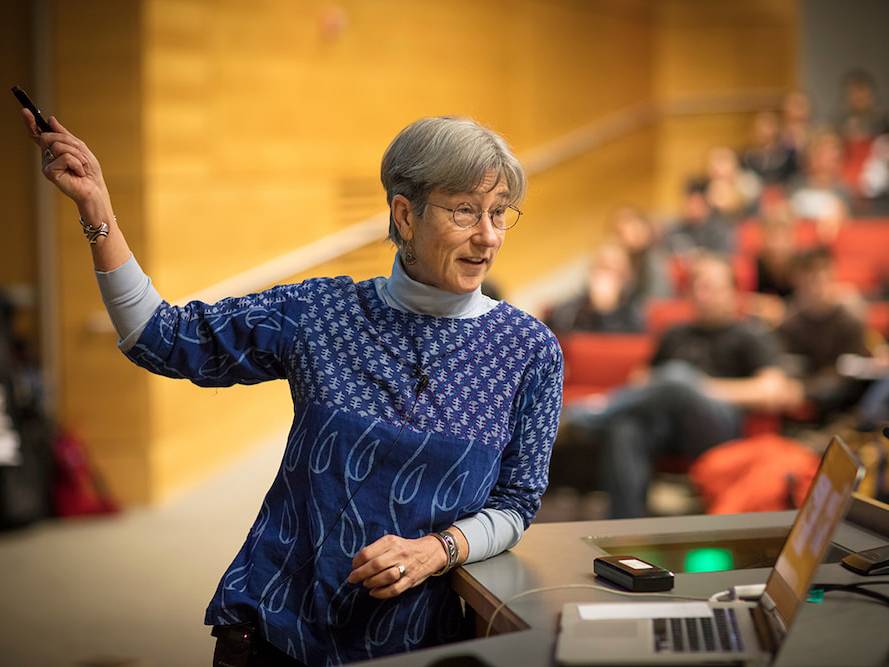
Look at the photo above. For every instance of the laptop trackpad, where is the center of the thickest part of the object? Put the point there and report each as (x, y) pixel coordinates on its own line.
(622, 629)
(603, 638)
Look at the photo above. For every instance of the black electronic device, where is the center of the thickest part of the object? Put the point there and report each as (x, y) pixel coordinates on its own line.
(26, 102)
(870, 562)
(633, 573)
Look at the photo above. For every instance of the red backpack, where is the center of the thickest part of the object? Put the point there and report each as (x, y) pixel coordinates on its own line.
(77, 488)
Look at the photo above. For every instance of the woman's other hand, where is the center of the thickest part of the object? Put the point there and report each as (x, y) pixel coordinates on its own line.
(376, 565)
(67, 162)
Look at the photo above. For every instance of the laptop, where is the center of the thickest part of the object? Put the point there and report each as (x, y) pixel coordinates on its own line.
(668, 632)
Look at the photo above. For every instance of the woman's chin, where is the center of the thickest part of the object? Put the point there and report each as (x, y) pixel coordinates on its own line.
(465, 284)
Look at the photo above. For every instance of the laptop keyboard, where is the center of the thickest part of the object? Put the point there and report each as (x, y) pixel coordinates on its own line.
(693, 635)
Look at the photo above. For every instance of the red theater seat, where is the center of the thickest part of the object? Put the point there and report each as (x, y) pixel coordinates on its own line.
(867, 238)
(857, 271)
(744, 268)
(595, 363)
(749, 238)
(661, 314)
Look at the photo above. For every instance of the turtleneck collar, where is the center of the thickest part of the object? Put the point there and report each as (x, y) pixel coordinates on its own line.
(402, 292)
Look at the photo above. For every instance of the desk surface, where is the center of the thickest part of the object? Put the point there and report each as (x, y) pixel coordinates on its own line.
(844, 630)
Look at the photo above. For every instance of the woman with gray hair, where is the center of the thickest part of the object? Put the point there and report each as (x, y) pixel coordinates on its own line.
(424, 412)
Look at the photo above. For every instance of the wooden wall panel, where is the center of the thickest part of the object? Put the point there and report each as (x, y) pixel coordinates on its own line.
(102, 398)
(713, 50)
(573, 63)
(18, 256)
(724, 47)
(262, 134)
(232, 132)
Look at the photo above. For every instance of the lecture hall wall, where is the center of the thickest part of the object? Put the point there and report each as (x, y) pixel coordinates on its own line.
(231, 132)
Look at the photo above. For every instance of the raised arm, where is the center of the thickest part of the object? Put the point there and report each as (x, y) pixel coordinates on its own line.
(70, 165)
(244, 340)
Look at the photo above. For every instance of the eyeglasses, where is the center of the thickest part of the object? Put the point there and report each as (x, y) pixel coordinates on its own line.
(466, 216)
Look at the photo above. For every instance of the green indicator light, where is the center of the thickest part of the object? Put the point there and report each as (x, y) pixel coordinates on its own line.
(711, 559)
(816, 595)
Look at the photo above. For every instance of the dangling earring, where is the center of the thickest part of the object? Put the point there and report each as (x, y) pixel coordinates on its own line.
(407, 253)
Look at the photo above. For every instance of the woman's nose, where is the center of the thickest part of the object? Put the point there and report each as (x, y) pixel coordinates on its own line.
(485, 232)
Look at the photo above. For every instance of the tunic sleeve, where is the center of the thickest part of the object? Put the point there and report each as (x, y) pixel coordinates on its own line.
(490, 532)
(242, 340)
(524, 464)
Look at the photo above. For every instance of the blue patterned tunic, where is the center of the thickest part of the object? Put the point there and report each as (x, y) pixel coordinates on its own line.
(480, 435)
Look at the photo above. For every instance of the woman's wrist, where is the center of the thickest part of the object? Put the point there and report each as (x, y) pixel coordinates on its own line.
(111, 251)
(96, 209)
(439, 557)
(453, 549)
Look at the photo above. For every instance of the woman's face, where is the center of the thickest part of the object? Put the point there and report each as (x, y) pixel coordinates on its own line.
(449, 257)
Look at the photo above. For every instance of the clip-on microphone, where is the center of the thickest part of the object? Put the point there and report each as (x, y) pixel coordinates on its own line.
(423, 380)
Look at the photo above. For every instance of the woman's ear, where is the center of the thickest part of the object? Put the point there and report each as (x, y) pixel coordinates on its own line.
(403, 216)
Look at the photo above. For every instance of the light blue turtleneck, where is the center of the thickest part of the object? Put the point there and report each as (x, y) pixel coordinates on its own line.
(402, 292)
(131, 300)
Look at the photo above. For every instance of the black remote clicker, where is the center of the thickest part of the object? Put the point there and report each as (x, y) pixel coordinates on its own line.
(870, 562)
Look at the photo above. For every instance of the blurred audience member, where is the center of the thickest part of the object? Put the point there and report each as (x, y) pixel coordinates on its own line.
(733, 192)
(874, 177)
(820, 194)
(703, 375)
(774, 262)
(773, 283)
(768, 156)
(607, 304)
(491, 289)
(796, 122)
(636, 233)
(873, 410)
(699, 227)
(861, 119)
(818, 329)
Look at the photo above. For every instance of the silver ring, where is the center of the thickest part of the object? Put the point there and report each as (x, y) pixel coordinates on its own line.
(401, 570)
(48, 155)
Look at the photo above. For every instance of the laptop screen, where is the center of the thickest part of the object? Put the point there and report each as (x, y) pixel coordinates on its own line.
(817, 520)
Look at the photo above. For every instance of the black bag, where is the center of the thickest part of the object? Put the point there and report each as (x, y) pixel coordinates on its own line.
(26, 468)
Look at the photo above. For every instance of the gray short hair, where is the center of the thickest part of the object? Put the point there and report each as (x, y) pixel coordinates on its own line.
(453, 154)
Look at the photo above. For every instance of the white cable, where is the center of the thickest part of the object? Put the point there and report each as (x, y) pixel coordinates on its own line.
(596, 587)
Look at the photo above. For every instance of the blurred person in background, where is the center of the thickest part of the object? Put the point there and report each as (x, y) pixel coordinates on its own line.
(861, 119)
(699, 226)
(820, 194)
(607, 303)
(636, 233)
(733, 192)
(702, 378)
(774, 262)
(772, 160)
(796, 123)
(773, 268)
(872, 411)
(424, 412)
(874, 177)
(819, 327)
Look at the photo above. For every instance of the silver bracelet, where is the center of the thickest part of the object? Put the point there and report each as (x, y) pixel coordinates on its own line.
(449, 544)
(91, 233)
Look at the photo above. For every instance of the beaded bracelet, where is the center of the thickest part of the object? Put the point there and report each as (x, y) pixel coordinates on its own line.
(449, 544)
(91, 233)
